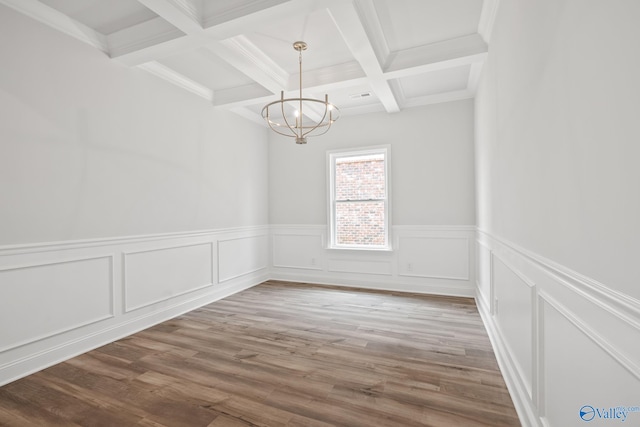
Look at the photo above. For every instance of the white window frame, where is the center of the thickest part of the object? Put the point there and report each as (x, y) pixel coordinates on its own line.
(332, 157)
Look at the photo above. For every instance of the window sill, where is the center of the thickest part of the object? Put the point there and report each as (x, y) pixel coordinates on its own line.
(359, 249)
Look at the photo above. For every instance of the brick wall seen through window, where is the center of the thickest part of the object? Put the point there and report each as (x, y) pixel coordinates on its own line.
(359, 196)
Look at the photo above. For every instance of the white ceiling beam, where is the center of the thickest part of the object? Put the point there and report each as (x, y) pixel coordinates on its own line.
(353, 32)
(362, 109)
(242, 54)
(449, 53)
(59, 21)
(247, 19)
(143, 53)
(221, 27)
(437, 98)
(177, 79)
(146, 35)
(241, 96)
(216, 15)
(474, 76)
(326, 76)
(186, 15)
(371, 23)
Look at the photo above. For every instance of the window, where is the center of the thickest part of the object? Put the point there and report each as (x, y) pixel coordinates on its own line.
(359, 199)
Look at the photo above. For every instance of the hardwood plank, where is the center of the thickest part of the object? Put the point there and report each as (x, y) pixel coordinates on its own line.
(282, 354)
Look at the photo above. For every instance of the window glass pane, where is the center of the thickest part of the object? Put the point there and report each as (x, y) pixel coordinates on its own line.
(360, 177)
(360, 223)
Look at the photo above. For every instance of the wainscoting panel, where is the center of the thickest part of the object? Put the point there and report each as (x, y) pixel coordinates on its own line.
(577, 359)
(568, 347)
(361, 266)
(35, 298)
(483, 272)
(159, 274)
(62, 299)
(297, 251)
(434, 257)
(513, 299)
(427, 259)
(239, 256)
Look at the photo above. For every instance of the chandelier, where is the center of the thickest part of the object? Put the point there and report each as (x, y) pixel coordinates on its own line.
(300, 117)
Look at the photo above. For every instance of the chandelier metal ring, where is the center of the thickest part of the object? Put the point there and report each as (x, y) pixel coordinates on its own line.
(289, 117)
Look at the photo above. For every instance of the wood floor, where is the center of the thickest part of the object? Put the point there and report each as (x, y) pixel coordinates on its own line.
(282, 354)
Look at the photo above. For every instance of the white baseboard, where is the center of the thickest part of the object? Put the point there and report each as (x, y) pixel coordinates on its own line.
(70, 297)
(374, 283)
(65, 350)
(423, 259)
(526, 412)
(562, 340)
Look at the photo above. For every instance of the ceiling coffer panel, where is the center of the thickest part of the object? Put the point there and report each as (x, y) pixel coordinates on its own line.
(367, 55)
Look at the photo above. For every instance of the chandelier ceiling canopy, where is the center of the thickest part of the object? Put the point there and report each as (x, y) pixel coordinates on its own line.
(300, 117)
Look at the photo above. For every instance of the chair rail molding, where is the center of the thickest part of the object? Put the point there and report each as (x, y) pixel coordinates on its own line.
(119, 286)
(564, 317)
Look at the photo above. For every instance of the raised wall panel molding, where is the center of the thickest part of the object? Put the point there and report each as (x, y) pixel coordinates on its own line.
(313, 228)
(521, 293)
(39, 291)
(297, 250)
(429, 259)
(83, 290)
(239, 256)
(35, 248)
(373, 282)
(423, 228)
(170, 264)
(524, 407)
(374, 269)
(561, 301)
(527, 281)
(359, 266)
(484, 282)
(620, 305)
(628, 363)
(539, 383)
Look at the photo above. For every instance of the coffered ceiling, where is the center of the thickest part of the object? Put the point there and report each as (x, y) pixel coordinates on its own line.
(367, 55)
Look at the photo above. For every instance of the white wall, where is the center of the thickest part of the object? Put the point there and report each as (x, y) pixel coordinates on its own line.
(558, 207)
(93, 153)
(432, 169)
(91, 148)
(432, 192)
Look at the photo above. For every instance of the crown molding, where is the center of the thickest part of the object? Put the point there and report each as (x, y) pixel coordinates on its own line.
(487, 18)
(166, 73)
(59, 21)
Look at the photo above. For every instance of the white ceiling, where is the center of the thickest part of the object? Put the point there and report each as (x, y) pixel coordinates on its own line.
(238, 54)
